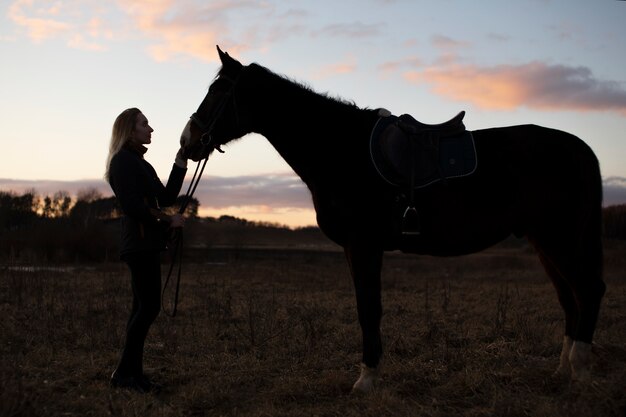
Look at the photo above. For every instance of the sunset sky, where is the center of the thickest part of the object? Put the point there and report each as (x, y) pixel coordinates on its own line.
(69, 67)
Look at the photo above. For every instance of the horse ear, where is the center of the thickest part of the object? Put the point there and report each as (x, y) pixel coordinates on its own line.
(221, 54)
(226, 59)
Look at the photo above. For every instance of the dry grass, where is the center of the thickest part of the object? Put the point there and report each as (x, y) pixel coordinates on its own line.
(273, 334)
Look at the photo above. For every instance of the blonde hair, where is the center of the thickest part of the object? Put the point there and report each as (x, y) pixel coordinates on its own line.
(121, 133)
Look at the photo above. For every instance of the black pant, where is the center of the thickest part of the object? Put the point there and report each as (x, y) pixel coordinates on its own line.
(145, 270)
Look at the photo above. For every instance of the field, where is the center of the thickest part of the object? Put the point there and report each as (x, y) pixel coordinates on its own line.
(264, 332)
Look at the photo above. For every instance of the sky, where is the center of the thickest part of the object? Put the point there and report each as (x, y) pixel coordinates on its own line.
(69, 67)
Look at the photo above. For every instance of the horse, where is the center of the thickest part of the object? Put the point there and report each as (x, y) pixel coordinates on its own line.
(529, 181)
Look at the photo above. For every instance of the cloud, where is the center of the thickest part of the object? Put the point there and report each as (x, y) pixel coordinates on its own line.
(49, 187)
(447, 43)
(174, 28)
(346, 67)
(271, 190)
(280, 198)
(350, 30)
(171, 28)
(42, 21)
(40, 27)
(534, 85)
(274, 190)
(280, 32)
(277, 198)
(614, 190)
(393, 66)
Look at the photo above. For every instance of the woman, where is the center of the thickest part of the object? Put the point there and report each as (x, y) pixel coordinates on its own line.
(140, 195)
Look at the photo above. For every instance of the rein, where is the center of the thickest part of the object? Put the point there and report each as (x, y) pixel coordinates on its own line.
(177, 238)
(177, 234)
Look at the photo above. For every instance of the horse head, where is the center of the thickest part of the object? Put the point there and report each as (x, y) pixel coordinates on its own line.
(215, 122)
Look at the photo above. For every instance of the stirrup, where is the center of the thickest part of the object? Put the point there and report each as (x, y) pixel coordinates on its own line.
(410, 222)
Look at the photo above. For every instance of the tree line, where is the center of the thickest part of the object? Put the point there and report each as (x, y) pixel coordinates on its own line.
(58, 228)
(614, 222)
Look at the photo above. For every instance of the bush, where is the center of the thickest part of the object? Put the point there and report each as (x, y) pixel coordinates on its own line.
(614, 219)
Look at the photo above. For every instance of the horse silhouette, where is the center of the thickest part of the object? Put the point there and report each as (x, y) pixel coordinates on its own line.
(527, 180)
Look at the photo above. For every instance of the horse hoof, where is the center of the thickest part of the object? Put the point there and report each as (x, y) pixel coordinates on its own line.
(367, 381)
(580, 360)
(565, 369)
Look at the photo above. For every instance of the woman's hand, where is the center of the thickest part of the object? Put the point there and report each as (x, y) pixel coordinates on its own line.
(177, 220)
(181, 158)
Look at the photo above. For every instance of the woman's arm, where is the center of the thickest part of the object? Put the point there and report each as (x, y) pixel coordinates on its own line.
(169, 193)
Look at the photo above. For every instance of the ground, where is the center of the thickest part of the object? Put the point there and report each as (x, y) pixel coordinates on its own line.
(273, 332)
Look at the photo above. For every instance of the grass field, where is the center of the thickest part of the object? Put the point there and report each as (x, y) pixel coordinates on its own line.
(274, 333)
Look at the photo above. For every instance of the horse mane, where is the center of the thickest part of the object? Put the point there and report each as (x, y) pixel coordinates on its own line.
(288, 82)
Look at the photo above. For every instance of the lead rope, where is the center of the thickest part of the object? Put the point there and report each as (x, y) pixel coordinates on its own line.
(177, 238)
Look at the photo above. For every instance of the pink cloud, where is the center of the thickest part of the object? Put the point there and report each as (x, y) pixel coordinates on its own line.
(172, 28)
(38, 28)
(334, 69)
(392, 66)
(43, 21)
(533, 85)
(185, 29)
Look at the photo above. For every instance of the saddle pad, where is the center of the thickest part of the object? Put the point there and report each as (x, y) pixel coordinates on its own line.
(392, 155)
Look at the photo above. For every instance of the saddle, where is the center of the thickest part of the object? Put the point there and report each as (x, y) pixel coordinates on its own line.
(410, 154)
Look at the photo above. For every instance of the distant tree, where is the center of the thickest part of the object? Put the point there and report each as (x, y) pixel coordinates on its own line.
(191, 209)
(57, 206)
(232, 219)
(46, 228)
(91, 206)
(268, 225)
(27, 202)
(62, 203)
(88, 194)
(18, 211)
(107, 208)
(308, 229)
(614, 218)
(6, 205)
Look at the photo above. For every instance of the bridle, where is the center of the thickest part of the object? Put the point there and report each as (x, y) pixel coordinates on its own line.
(206, 140)
(207, 127)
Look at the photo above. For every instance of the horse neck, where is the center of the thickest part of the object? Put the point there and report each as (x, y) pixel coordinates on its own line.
(310, 131)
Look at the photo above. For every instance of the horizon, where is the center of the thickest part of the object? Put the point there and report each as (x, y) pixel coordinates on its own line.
(232, 203)
(70, 67)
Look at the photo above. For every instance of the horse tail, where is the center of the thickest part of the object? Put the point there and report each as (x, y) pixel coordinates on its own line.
(591, 216)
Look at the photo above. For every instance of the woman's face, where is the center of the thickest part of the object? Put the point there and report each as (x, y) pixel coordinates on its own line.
(143, 132)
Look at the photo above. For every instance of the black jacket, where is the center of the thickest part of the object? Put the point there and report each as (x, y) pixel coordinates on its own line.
(138, 190)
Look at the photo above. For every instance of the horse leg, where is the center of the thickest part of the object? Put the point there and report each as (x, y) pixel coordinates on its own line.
(365, 267)
(576, 271)
(568, 303)
(588, 288)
